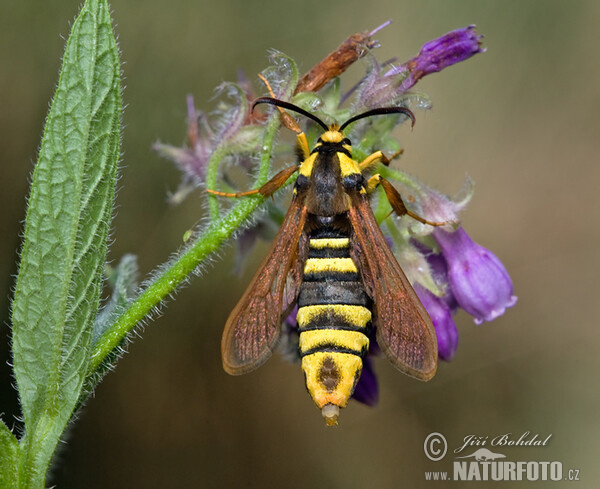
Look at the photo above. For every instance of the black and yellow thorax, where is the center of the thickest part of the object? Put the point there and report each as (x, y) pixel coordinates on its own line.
(325, 173)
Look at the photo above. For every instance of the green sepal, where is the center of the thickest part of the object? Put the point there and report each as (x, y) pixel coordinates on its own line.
(282, 74)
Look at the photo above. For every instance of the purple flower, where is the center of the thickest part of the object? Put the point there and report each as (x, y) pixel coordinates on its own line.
(453, 47)
(193, 158)
(441, 315)
(232, 127)
(477, 278)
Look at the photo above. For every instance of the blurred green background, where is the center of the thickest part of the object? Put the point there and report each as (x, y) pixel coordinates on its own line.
(521, 119)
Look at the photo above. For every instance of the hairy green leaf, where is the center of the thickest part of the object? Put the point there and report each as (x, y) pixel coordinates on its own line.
(8, 458)
(67, 225)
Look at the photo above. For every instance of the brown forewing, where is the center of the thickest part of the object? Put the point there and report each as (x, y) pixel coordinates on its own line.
(254, 326)
(404, 330)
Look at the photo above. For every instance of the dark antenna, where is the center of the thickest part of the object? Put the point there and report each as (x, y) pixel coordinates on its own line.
(380, 111)
(287, 105)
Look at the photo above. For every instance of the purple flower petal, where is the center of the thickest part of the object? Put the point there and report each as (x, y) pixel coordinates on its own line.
(193, 158)
(439, 207)
(439, 272)
(190, 161)
(377, 29)
(192, 121)
(367, 389)
(479, 281)
(451, 48)
(441, 317)
(234, 118)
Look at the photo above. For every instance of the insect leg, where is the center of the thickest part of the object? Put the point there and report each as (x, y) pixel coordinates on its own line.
(376, 157)
(266, 190)
(277, 181)
(372, 183)
(303, 145)
(395, 199)
(232, 194)
(371, 160)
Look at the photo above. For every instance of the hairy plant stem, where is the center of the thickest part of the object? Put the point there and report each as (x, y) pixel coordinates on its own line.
(175, 273)
(212, 168)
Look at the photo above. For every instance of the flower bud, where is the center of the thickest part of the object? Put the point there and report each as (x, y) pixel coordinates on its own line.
(453, 47)
(477, 278)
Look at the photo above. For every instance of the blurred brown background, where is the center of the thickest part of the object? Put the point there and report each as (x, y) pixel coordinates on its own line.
(521, 119)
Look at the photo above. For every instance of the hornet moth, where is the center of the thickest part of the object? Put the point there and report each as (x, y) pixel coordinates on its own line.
(331, 259)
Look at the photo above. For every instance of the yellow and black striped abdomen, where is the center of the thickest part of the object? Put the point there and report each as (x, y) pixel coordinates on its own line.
(334, 319)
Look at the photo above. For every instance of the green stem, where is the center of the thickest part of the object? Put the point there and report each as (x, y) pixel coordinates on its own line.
(177, 272)
(395, 233)
(401, 177)
(383, 208)
(212, 168)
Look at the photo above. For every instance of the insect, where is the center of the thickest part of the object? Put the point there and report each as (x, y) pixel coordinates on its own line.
(331, 259)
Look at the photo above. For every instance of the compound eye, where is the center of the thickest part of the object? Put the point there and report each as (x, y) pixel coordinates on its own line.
(347, 141)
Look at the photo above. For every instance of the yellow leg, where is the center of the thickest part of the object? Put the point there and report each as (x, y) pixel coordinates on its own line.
(371, 160)
(303, 145)
(373, 182)
(376, 157)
